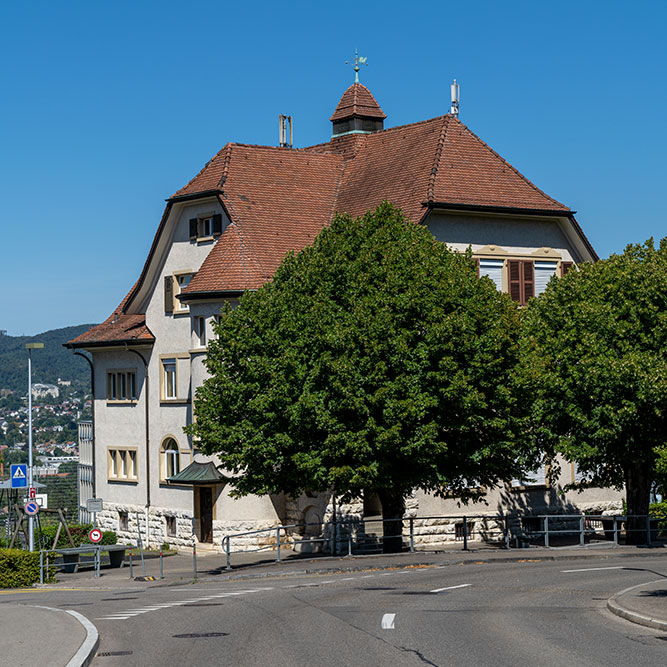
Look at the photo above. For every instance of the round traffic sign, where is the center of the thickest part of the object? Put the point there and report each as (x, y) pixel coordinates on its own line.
(95, 535)
(31, 508)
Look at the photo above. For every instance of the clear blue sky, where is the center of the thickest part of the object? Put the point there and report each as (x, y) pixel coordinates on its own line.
(108, 108)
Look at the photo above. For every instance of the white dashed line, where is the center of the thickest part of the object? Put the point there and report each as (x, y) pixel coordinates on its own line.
(449, 588)
(388, 621)
(593, 569)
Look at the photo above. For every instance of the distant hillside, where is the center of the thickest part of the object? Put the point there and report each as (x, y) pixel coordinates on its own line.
(49, 364)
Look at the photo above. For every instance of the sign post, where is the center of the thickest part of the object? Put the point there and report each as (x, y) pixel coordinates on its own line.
(31, 523)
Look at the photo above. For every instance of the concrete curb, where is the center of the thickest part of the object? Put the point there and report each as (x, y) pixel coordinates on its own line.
(633, 616)
(86, 652)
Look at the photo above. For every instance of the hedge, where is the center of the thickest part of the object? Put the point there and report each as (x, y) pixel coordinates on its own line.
(21, 568)
(79, 532)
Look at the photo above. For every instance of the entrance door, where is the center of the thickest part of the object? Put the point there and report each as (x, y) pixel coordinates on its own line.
(206, 513)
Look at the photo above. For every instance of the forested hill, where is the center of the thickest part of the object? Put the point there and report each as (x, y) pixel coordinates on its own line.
(49, 364)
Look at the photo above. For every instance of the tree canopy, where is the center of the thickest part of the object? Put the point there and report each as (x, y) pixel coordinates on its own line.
(375, 361)
(596, 361)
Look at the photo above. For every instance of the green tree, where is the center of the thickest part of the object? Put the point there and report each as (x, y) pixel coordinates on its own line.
(596, 363)
(375, 361)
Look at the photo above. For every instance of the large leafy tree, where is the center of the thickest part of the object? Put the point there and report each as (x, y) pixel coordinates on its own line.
(375, 361)
(596, 363)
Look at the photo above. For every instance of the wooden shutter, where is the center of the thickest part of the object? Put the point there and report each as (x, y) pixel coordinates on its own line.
(514, 271)
(528, 271)
(194, 225)
(565, 267)
(169, 294)
(217, 225)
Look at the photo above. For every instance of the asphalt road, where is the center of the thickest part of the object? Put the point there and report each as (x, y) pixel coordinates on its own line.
(481, 614)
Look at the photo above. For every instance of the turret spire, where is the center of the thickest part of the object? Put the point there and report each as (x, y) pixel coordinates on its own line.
(358, 60)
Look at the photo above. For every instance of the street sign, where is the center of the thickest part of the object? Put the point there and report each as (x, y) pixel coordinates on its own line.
(95, 535)
(32, 492)
(94, 505)
(31, 508)
(19, 475)
(42, 500)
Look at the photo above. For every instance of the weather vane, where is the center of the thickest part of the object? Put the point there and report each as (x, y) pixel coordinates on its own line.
(358, 60)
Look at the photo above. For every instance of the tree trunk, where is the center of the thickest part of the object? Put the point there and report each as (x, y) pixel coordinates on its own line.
(638, 495)
(393, 508)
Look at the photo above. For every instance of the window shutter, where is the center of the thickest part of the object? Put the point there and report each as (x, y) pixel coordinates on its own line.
(169, 294)
(565, 267)
(217, 224)
(194, 224)
(528, 281)
(514, 271)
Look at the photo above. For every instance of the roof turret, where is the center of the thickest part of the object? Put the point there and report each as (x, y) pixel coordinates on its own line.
(357, 112)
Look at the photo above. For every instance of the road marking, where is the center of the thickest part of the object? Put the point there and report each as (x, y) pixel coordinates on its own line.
(449, 588)
(388, 621)
(129, 613)
(593, 569)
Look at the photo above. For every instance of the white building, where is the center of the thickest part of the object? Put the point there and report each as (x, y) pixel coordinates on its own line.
(225, 232)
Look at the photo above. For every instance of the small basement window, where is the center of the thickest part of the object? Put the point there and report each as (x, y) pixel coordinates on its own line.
(170, 524)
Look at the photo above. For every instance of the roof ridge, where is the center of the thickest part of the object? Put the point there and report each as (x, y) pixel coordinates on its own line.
(225, 164)
(513, 168)
(430, 192)
(201, 171)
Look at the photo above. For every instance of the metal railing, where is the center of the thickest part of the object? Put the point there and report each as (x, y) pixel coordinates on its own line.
(350, 536)
(583, 525)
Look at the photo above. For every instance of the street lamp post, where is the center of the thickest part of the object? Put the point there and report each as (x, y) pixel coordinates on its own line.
(31, 520)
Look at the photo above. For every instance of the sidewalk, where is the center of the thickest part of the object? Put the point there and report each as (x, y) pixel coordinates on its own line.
(66, 631)
(34, 635)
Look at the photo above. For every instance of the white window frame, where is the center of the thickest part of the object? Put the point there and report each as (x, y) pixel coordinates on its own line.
(199, 326)
(170, 377)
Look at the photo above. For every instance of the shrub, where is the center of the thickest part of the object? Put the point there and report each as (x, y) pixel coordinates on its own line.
(21, 568)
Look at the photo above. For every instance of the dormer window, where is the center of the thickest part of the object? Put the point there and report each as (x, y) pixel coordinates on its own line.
(205, 227)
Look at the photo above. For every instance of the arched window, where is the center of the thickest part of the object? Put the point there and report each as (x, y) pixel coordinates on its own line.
(171, 464)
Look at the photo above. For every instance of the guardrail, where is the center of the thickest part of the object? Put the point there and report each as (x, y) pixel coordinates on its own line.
(352, 536)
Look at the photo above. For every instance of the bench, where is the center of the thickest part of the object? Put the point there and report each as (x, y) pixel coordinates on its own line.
(71, 555)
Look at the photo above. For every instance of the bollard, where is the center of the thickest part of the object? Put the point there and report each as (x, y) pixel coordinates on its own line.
(161, 571)
(546, 531)
(412, 534)
(465, 534)
(130, 562)
(97, 560)
(227, 549)
(648, 530)
(615, 532)
(278, 543)
(41, 567)
(581, 531)
(349, 541)
(194, 560)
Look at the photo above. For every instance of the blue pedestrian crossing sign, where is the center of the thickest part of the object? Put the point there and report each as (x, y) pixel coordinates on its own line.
(18, 473)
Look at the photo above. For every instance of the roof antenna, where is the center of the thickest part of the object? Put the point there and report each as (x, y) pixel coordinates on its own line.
(454, 109)
(282, 125)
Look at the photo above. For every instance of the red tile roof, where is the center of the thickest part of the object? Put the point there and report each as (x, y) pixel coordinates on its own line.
(357, 100)
(119, 327)
(278, 199)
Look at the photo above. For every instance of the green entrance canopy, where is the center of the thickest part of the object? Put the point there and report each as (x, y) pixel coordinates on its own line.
(199, 473)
